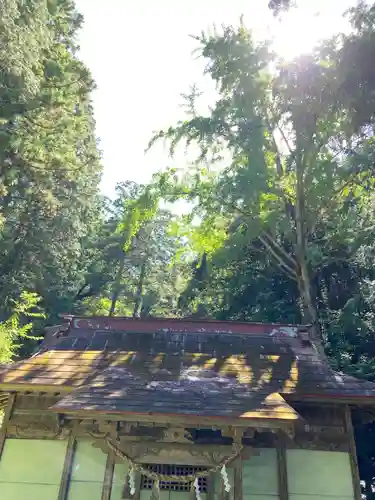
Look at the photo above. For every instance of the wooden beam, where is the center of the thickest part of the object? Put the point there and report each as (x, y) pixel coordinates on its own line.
(30, 387)
(348, 424)
(7, 416)
(201, 422)
(329, 399)
(282, 473)
(108, 476)
(67, 469)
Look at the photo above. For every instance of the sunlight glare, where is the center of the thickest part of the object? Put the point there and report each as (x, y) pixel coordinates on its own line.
(162, 66)
(298, 31)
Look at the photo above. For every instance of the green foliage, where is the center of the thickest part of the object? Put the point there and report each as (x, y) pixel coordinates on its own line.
(137, 213)
(282, 225)
(18, 326)
(277, 6)
(133, 270)
(49, 162)
(281, 132)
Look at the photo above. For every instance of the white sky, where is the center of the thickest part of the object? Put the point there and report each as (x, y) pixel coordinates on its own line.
(139, 52)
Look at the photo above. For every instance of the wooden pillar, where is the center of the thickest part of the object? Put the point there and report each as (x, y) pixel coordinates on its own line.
(282, 473)
(108, 475)
(138, 479)
(67, 469)
(7, 417)
(348, 425)
(211, 486)
(237, 481)
(222, 494)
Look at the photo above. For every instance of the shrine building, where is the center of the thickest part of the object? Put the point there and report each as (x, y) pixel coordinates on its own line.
(169, 409)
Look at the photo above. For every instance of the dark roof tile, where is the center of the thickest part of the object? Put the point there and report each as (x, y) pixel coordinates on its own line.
(171, 367)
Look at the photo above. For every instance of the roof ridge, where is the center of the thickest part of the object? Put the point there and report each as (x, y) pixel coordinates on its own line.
(188, 319)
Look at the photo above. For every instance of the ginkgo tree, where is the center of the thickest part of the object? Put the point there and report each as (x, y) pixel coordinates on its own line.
(281, 157)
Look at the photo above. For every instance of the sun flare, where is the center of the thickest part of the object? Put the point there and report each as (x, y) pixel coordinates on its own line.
(303, 27)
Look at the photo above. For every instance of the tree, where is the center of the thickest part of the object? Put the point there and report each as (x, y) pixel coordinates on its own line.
(288, 176)
(18, 326)
(241, 283)
(49, 161)
(131, 273)
(277, 6)
(298, 183)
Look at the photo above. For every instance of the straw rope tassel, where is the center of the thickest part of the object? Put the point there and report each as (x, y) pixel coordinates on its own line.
(126, 495)
(132, 481)
(197, 489)
(225, 482)
(192, 491)
(155, 494)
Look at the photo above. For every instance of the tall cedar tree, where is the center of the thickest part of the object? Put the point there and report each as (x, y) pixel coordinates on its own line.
(49, 162)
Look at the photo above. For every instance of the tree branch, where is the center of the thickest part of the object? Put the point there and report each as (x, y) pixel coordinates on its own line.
(285, 261)
(282, 264)
(292, 260)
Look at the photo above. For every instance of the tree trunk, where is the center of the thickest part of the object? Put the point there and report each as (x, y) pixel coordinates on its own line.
(139, 295)
(310, 314)
(117, 285)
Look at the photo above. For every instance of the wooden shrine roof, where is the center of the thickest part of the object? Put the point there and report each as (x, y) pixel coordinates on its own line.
(180, 367)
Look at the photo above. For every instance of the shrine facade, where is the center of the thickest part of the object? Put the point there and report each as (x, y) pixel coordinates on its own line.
(118, 408)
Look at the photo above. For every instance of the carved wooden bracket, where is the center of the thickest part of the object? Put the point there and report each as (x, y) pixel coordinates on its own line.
(176, 435)
(38, 427)
(236, 433)
(173, 453)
